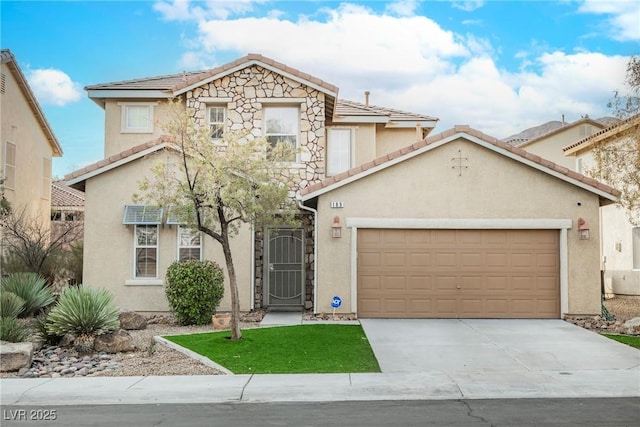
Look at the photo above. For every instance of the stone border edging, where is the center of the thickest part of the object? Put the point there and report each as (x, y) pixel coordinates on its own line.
(192, 354)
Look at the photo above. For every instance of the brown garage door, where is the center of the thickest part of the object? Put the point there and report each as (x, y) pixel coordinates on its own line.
(458, 273)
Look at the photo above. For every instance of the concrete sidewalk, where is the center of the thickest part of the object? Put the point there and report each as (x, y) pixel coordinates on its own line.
(320, 388)
(420, 360)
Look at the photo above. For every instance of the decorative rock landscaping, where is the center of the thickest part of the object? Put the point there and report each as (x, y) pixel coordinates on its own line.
(598, 324)
(55, 362)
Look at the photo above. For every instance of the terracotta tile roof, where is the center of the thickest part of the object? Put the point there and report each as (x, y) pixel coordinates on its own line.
(352, 108)
(116, 158)
(354, 172)
(7, 58)
(63, 196)
(176, 82)
(604, 133)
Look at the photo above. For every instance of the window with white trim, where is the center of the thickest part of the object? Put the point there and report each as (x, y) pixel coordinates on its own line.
(146, 251)
(635, 237)
(137, 117)
(46, 178)
(217, 118)
(9, 167)
(282, 126)
(189, 244)
(338, 150)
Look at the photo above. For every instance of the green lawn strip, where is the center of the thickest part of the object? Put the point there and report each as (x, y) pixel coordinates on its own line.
(633, 341)
(287, 350)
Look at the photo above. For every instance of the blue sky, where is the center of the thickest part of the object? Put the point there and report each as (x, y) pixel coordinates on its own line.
(498, 66)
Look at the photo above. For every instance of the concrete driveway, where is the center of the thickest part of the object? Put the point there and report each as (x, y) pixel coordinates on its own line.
(491, 345)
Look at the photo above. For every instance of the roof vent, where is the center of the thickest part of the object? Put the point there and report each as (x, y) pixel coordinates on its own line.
(366, 98)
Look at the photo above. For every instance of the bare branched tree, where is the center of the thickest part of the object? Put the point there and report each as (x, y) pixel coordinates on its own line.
(26, 239)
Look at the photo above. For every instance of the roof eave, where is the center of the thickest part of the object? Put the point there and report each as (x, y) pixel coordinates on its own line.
(56, 148)
(333, 91)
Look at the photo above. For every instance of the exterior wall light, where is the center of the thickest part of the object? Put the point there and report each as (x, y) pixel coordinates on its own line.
(336, 228)
(583, 229)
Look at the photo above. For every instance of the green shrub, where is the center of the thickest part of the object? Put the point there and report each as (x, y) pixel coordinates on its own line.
(10, 304)
(41, 326)
(32, 288)
(194, 290)
(83, 311)
(12, 330)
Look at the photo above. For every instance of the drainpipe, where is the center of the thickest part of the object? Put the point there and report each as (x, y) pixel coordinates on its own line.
(315, 250)
(252, 305)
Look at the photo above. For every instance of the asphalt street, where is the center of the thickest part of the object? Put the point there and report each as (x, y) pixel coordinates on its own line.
(494, 412)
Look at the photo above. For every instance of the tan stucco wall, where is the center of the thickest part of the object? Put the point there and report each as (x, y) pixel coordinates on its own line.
(20, 127)
(108, 244)
(365, 143)
(492, 187)
(115, 140)
(389, 140)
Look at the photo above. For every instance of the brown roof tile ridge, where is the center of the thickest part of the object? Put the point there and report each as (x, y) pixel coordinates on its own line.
(260, 58)
(116, 157)
(72, 192)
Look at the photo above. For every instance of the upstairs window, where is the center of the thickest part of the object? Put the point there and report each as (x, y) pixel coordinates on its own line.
(189, 244)
(9, 167)
(217, 119)
(137, 117)
(282, 126)
(338, 151)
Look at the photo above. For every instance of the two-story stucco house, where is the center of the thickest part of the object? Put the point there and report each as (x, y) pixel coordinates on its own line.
(398, 223)
(28, 144)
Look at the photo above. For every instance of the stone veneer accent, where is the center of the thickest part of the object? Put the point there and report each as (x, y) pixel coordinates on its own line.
(247, 89)
(250, 90)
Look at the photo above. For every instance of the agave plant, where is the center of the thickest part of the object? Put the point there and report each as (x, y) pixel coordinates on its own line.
(10, 304)
(83, 310)
(12, 330)
(32, 288)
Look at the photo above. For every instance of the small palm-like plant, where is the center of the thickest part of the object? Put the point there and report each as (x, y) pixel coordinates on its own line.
(32, 288)
(10, 304)
(84, 312)
(12, 330)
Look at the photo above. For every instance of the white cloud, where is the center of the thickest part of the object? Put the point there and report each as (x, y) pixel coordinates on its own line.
(54, 87)
(624, 17)
(412, 63)
(402, 7)
(468, 6)
(183, 10)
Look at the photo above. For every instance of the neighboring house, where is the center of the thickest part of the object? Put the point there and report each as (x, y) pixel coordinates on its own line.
(620, 239)
(67, 204)
(27, 144)
(454, 225)
(549, 144)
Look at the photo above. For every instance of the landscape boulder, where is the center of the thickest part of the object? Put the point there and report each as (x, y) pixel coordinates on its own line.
(115, 342)
(132, 321)
(14, 356)
(632, 322)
